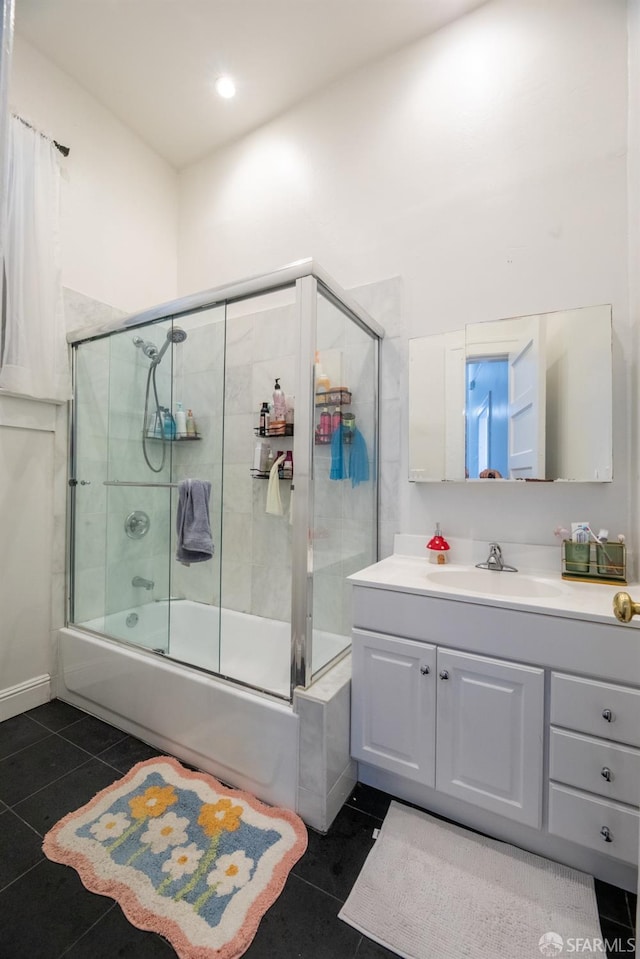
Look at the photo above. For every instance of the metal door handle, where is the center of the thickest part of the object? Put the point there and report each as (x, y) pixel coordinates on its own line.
(444, 674)
(605, 832)
(624, 608)
(605, 772)
(425, 670)
(608, 715)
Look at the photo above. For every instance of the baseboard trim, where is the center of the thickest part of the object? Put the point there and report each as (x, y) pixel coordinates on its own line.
(17, 699)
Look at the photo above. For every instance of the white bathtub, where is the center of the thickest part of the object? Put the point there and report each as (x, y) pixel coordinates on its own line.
(250, 649)
(243, 737)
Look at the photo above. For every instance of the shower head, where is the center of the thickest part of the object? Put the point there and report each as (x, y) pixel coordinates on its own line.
(174, 335)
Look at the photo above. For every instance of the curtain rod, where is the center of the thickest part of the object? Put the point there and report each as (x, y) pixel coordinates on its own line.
(63, 150)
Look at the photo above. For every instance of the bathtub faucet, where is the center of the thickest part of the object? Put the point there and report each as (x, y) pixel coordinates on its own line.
(141, 581)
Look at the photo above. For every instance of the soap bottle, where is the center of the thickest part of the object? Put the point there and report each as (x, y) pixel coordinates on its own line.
(438, 547)
(279, 402)
(336, 419)
(180, 418)
(191, 424)
(322, 380)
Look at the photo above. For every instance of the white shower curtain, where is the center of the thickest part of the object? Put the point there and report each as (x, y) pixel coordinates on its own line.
(34, 358)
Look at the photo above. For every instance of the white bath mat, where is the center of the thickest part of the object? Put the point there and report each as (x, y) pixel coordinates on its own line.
(430, 890)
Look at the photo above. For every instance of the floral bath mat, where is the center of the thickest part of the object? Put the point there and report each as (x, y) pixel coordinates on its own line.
(183, 855)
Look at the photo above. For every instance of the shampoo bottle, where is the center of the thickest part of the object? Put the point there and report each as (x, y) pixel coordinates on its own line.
(191, 424)
(264, 419)
(168, 425)
(287, 466)
(181, 420)
(325, 423)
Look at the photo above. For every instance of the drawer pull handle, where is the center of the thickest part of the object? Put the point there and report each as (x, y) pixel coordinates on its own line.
(608, 715)
(425, 670)
(444, 674)
(605, 832)
(605, 772)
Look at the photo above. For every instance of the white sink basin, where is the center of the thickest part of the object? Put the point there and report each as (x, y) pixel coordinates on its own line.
(492, 583)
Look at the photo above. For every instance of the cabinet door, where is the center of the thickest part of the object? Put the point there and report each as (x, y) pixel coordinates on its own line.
(490, 731)
(393, 715)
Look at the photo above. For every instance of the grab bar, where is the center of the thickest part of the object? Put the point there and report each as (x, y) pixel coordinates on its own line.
(128, 483)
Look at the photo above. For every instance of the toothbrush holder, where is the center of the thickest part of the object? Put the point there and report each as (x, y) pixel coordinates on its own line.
(594, 562)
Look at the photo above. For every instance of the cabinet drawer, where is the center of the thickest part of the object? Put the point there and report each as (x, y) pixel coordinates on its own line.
(602, 709)
(582, 819)
(600, 767)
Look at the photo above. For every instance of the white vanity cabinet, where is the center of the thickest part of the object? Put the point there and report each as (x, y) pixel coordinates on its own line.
(517, 719)
(470, 726)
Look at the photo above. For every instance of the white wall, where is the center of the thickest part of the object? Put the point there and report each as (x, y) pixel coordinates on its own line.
(485, 165)
(119, 200)
(118, 238)
(26, 506)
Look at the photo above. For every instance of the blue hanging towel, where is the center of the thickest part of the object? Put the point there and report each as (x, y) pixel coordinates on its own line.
(338, 471)
(358, 460)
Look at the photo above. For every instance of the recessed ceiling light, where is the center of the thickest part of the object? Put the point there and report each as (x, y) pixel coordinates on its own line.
(225, 87)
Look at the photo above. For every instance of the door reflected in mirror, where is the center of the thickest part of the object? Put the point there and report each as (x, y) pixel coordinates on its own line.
(509, 399)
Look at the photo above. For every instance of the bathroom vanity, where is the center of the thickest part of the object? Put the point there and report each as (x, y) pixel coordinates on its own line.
(509, 703)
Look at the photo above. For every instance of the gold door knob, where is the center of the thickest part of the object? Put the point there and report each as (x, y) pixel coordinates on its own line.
(624, 607)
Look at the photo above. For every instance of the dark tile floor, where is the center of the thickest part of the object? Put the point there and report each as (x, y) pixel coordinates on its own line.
(54, 758)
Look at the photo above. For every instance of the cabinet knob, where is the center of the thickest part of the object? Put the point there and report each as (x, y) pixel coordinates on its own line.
(605, 772)
(605, 832)
(425, 670)
(608, 715)
(444, 674)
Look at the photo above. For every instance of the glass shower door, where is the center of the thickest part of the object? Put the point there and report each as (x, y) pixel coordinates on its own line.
(345, 495)
(198, 386)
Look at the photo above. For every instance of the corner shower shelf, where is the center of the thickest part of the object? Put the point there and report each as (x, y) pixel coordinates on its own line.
(260, 474)
(288, 431)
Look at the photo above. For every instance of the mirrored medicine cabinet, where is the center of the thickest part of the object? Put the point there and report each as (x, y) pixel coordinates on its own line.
(524, 398)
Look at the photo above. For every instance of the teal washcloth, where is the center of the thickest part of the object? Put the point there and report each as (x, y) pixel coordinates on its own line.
(358, 460)
(337, 458)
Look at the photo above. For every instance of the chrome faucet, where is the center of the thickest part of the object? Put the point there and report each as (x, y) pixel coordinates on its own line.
(495, 561)
(141, 581)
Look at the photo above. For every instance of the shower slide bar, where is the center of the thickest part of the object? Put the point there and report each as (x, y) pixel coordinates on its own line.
(127, 483)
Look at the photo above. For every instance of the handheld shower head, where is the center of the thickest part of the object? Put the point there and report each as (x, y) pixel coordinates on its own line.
(175, 335)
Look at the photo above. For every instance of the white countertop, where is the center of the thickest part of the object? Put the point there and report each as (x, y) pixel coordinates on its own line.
(557, 597)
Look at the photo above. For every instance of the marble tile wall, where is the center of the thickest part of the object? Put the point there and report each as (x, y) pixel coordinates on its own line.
(256, 572)
(383, 301)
